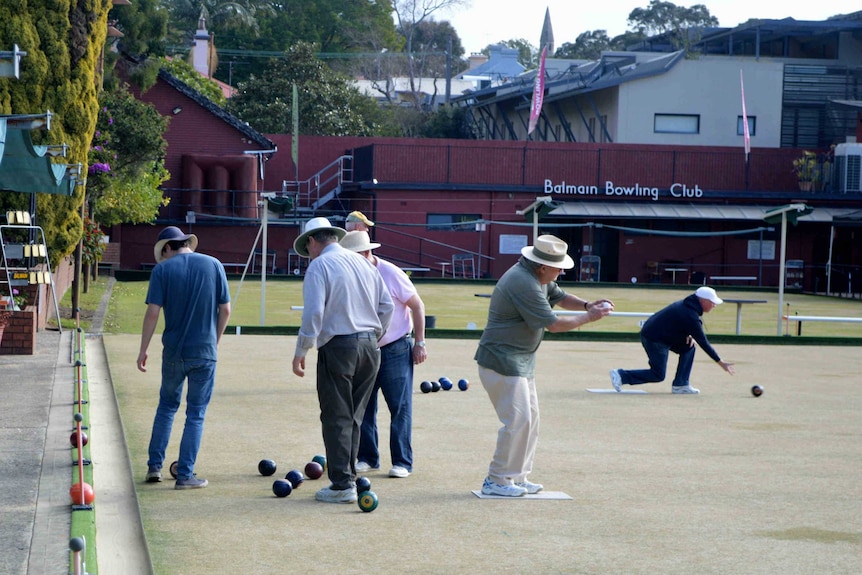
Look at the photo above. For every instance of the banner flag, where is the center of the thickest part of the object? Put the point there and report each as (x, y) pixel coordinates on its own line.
(538, 94)
(746, 134)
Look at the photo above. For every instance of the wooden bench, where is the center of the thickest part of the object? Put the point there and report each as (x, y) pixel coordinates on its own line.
(733, 278)
(801, 318)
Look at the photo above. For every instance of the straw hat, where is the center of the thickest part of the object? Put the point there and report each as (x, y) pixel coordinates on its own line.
(314, 225)
(358, 241)
(550, 251)
(172, 234)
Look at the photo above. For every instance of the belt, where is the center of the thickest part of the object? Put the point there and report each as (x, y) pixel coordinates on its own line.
(358, 335)
(396, 341)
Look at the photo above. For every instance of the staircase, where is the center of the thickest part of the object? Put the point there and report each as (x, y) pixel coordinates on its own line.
(315, 192)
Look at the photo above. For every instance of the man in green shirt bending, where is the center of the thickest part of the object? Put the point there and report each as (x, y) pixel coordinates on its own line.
(519, 313)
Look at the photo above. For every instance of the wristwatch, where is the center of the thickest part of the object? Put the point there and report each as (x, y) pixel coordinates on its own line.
(420, 343)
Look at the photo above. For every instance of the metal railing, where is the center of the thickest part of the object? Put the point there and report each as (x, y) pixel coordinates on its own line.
(319, 188)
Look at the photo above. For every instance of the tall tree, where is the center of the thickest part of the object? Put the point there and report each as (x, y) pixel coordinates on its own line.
(126, 161)
(409, 15)
(587, 46)
(334, 26)
(683, 25)
(328, 104)
(63, 41)
(144, 24)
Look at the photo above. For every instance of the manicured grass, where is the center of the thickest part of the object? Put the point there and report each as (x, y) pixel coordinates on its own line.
(88, 303)
(725, 482)
(455, 305)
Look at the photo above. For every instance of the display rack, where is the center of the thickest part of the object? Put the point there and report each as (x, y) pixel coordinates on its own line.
(24, 252)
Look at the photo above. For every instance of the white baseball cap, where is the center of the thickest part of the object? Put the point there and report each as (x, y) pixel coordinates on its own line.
(709, 294)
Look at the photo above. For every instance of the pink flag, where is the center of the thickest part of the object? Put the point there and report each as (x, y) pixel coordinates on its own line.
(746, 135)
(538, 93)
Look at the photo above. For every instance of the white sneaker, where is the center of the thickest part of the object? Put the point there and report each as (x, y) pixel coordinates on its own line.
(616, 380)
(330, 495)
(491, 488)
(685, 389)
(532, 488)
(362, 467)
(398, 471)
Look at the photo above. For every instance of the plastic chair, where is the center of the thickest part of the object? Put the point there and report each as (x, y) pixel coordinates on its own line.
(463, 266)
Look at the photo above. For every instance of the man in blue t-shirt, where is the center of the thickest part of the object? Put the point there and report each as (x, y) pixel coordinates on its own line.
(192, 290)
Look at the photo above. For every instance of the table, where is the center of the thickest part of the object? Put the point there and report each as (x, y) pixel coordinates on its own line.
(739, 303)
(673, 271)
(443, 269)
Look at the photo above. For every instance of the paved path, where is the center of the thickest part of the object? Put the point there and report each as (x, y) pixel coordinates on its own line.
(36, 459)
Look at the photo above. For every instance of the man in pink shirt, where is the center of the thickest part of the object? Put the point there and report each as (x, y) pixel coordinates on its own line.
(398, 354)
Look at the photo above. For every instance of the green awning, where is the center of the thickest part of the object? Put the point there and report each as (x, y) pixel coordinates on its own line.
(26, 167)
(793, 213)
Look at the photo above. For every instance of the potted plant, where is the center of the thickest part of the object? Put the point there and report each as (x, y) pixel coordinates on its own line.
(805, 168)
(19, 300)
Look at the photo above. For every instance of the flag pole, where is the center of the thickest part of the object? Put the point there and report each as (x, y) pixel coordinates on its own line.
(746, 134)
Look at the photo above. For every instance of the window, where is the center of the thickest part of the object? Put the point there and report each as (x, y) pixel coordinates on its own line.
(452, 222)
(752, 123)
(677, 124)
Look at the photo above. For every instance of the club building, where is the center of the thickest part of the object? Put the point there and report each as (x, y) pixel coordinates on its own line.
(638, 162)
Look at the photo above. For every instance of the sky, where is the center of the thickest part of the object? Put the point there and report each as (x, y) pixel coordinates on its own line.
(490, 21)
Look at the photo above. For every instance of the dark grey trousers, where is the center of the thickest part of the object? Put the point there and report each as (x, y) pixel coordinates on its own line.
(346, 369)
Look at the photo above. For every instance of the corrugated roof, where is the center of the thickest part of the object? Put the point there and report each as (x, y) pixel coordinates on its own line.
(654, 210)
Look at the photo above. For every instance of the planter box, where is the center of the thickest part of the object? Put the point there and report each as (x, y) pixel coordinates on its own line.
(19, 335)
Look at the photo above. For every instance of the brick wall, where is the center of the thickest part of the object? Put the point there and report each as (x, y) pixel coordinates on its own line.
(19, 334)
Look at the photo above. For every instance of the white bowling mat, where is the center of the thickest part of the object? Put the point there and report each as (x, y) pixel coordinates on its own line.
(540, 495)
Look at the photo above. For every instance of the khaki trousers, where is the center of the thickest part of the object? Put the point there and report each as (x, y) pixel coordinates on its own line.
(517, 405)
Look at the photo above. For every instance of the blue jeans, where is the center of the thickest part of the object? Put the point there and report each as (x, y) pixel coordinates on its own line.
(658, 353)
(201, 380)
(395, 380)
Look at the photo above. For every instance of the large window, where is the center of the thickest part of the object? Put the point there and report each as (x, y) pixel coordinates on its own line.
(677, 124)
(752, 124)
(452, 222)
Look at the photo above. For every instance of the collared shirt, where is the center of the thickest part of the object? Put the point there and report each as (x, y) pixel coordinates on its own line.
(342, 294)
(519, 312)
(401, 289)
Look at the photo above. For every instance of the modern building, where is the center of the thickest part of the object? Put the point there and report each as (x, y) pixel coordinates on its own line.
(798, 79)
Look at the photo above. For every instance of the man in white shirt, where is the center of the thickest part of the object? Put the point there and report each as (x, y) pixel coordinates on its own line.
(347, 309)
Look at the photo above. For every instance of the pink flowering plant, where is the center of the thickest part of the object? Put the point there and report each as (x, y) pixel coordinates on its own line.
(125, 163)
(19, 299)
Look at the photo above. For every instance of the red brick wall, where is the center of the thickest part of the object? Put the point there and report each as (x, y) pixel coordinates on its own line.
(19, 334)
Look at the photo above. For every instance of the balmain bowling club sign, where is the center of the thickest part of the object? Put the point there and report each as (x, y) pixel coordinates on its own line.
(676, 191)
